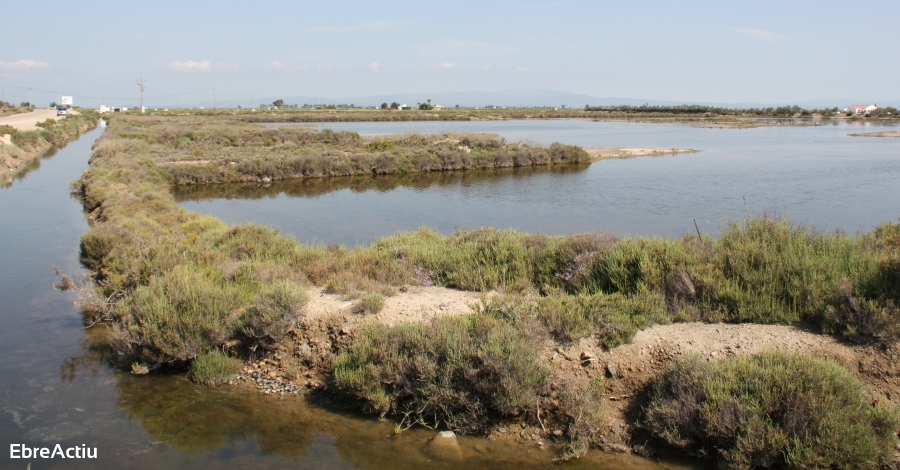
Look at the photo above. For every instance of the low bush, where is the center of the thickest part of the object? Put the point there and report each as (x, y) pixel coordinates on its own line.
(451, 372)
(773, 409)
(214, 368)
(277, 309)
(369, 303)
(613, 319)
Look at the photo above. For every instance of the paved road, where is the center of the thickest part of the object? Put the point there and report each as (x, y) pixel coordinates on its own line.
(27, 121)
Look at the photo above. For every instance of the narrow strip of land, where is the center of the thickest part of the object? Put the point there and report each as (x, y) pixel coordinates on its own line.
(611, 153)
(876, 134)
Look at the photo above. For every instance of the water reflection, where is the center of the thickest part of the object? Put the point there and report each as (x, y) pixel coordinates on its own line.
(200, 420)
(6, 180)
(313, 187)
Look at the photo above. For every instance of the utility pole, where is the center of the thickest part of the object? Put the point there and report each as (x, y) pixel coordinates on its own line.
(30, 100)
(142, 84)
(214, 97)
(17, 98)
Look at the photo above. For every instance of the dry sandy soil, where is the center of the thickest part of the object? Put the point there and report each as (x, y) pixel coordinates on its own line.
(415, 304)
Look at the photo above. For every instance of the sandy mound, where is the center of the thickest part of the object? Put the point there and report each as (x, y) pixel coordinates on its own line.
(415, 304)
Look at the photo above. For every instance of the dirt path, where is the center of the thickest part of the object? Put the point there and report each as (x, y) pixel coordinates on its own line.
(28, 121)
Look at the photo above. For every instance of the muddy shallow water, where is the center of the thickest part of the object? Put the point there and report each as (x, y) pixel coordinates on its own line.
(56, 389)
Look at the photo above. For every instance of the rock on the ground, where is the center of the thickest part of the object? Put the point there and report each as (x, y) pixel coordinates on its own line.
(444, 446)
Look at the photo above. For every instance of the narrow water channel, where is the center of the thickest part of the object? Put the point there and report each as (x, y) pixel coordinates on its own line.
(57, 389)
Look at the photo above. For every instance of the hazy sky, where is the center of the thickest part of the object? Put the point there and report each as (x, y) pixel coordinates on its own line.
(776, 51)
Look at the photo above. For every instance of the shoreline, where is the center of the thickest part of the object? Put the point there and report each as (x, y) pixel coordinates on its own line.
(876, 134)
(619, 153)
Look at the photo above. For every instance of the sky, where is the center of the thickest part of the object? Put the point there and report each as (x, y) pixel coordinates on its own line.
(726, 52)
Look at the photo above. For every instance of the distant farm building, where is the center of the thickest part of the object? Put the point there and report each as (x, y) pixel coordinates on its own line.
(437, 107)
(861, 108)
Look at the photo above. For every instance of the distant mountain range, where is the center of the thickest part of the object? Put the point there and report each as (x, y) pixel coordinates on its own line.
(522, 98)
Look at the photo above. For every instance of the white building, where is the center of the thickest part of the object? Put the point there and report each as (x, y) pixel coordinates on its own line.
(861, 108)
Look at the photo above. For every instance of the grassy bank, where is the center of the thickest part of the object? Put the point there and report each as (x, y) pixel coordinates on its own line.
(28, 145)
(176, 286)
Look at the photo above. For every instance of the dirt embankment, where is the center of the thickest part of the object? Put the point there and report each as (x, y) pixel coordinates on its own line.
(14, 159)
(302, 364)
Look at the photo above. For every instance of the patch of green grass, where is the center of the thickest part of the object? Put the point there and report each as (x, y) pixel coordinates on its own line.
(773, 409)
(214, 368)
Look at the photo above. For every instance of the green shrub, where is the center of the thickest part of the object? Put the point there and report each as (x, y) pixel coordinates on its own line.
(773, 409)
(369, 303)
(277, 309)
(178, 316)
(214, 368)
(450, 372)
(613, 318)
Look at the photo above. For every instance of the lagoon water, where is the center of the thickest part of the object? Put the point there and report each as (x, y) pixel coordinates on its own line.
(811, 174)
(57, 389)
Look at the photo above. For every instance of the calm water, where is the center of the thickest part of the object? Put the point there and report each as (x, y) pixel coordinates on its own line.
(816, 175)
(56, 389)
